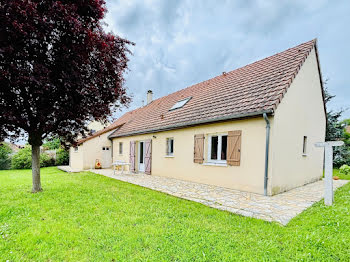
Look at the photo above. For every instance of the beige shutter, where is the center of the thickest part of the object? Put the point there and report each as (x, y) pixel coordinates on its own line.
(234, 148)
(198, 149)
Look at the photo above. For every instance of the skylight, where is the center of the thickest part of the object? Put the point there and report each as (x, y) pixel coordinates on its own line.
(180, 103)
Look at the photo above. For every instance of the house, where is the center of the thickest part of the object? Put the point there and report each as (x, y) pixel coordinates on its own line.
(251, 129)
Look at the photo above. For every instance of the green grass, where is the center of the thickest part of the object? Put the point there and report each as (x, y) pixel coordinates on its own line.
(87, 217)
(340, 175)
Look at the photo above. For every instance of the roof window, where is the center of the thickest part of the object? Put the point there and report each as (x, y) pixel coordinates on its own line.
(180, 103)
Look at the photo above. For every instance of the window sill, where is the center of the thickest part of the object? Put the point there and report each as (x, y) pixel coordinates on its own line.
(214, 164)
(169, 156)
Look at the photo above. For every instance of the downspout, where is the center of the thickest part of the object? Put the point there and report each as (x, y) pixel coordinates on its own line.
(266, 152)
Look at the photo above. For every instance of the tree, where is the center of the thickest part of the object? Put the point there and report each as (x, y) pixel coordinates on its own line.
(52, 144)
(58, 69)
(5, 160)
(335, 131)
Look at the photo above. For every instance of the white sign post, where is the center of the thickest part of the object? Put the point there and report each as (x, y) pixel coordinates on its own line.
(328, 169)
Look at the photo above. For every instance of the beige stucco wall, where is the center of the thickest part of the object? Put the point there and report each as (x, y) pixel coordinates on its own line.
(248, 176)
(76, 158)
(301, 113)
(89, 151)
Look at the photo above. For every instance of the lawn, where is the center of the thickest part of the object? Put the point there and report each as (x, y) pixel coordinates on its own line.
(87, 217)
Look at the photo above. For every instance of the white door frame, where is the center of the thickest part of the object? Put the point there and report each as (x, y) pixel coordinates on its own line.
(141, 166)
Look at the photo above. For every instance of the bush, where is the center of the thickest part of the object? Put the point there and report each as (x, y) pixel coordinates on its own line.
(62, 157)
(23, 159)
(344, 169)
(46, 160)
(5, 159)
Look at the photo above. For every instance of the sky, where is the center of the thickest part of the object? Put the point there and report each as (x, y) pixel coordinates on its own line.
(180, 43)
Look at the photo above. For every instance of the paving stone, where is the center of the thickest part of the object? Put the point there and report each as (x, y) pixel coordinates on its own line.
(280, 208)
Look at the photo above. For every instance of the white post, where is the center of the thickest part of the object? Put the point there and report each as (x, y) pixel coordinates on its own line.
(328, 170)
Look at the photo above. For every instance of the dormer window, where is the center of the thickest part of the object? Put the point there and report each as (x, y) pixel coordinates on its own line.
(180, 103)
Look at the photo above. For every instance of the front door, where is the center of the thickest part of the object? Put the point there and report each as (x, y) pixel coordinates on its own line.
(106, 160)
(141, 156)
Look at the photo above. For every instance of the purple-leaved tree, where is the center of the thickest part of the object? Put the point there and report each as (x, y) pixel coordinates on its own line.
(58, 69)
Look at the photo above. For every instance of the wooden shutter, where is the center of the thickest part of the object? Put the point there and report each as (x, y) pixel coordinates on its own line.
(234, 148)
(148, 156)
(198, 149)
(132, 155)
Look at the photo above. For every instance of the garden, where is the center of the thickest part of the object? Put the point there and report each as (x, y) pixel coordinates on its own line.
(103, 219)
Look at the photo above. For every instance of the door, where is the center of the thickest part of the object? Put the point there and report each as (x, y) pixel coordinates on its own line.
(141, 156)
(106, 160)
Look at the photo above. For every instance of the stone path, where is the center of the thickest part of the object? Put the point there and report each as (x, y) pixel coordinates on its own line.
(69, 169)
(280, 208)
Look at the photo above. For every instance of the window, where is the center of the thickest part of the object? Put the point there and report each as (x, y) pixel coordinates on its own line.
(105, 148)
(180, 104)
(217, 148)
(76, 149)
(120, 148)
(304, 145)
(170, 146)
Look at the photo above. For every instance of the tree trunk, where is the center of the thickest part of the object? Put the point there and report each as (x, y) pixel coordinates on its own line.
(36, 169)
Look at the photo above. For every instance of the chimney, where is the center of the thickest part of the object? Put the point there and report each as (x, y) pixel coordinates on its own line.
(149, 96)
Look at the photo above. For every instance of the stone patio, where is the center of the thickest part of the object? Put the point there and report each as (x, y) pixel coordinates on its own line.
(280, 208)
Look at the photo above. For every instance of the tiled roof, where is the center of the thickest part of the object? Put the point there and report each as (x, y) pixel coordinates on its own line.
(249, 90)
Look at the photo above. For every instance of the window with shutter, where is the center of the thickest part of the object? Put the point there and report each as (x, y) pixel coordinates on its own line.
(198, 149)
(234, 148)
(217, 148)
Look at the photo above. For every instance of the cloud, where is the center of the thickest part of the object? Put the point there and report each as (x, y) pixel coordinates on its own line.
(179, 43)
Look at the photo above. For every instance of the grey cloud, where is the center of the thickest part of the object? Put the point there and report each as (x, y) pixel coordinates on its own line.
(179, 43)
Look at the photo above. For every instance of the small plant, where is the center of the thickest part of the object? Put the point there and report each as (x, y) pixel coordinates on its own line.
(344, 169)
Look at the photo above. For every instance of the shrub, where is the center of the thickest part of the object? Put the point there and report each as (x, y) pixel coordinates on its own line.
(62, 157)
(23, 159)
(5, 159)
(344, 169)
(46, 160)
